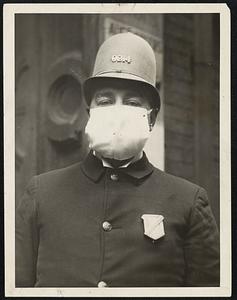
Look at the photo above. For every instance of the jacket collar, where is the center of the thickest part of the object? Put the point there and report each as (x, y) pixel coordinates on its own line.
(93, 168)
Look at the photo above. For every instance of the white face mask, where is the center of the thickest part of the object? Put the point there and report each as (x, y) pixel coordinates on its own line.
(118, 131)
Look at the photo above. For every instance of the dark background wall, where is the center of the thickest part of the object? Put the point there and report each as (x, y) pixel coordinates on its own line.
(191, 100)
(55, 53)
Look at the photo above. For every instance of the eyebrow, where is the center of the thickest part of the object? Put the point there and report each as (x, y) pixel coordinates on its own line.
(133, 94)
(105, 89)
(106, 92)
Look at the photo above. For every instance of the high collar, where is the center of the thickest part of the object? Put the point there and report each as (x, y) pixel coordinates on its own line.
(93, 168)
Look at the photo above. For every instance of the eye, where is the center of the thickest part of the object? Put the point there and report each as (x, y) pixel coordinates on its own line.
(133, 101)
(103, 100)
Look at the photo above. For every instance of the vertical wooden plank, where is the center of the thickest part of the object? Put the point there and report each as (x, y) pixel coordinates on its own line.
(91, 40)
(26, 100)
(178, 95)
(206, 108)
(60, 35)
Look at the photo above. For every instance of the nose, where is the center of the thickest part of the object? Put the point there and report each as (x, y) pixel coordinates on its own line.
(118, 99)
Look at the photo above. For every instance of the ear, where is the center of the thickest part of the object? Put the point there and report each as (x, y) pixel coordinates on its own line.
(152, 117)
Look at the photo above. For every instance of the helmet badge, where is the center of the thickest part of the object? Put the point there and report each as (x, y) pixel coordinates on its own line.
(121, 58)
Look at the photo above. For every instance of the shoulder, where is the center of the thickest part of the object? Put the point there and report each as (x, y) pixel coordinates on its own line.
(55, 177)
(174, 182)
(175, 187)
(182, 197)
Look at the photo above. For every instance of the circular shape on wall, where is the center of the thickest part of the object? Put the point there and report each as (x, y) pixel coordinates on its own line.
(65, 112)
(64, 100)
(65, 108)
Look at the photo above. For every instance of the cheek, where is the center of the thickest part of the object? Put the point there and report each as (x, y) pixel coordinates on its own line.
(146, 103)
(93, 103)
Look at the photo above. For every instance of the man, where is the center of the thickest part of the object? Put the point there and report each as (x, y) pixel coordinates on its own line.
(114, 220)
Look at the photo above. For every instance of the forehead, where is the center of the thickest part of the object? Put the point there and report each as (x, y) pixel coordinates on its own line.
(114, 85)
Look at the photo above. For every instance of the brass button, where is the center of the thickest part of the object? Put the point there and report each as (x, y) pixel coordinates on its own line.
(102, 284)
(106, 226)
(114, 177)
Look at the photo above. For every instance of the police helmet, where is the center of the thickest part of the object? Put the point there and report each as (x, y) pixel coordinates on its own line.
(125, 56)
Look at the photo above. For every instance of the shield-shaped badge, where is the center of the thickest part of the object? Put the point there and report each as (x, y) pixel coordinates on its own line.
(153, 226)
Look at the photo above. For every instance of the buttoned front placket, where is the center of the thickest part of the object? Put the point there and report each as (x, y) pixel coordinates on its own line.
(120, 224)
(112, 182)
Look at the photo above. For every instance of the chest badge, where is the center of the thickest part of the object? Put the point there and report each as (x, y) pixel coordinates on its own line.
(153, 226)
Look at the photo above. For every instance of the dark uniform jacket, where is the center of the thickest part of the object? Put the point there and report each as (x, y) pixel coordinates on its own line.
(62, 239)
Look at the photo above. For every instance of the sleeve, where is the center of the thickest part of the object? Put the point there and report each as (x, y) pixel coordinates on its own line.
(26, 236)
(201, 248)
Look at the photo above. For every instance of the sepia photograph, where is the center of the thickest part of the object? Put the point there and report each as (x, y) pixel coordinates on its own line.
(117, 168)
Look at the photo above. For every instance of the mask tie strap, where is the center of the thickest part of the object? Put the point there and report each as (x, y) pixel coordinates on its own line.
(149, 118)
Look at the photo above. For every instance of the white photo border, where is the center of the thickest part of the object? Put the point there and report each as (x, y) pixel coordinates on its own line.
(9, 12)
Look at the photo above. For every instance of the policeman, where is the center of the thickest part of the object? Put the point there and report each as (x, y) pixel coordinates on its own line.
(114, 220)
